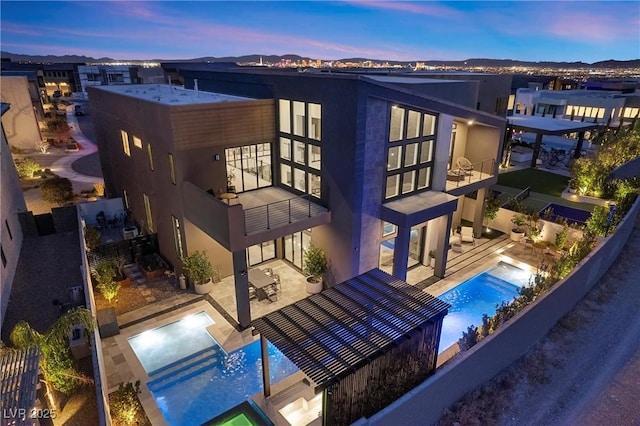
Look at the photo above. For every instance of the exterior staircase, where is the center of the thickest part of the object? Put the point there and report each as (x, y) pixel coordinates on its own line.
(134, 274)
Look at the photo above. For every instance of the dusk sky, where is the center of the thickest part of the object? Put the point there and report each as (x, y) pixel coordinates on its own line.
(586, 31)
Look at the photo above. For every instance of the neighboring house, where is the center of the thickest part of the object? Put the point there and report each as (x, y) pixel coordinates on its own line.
(11, 203)
(19, 123)
(593, 106)
(362, 168)
(106, 75)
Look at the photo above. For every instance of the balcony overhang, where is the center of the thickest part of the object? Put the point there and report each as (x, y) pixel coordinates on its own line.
(254, 217)
(419, 208)
(469, 185)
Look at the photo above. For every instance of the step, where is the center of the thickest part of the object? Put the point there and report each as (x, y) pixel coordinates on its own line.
(186, 367)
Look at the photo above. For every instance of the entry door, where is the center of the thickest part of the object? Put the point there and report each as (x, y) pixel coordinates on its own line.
(295, 245)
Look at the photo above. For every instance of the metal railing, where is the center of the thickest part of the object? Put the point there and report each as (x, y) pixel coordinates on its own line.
(512, 202)
(280, 213)
(478, 171)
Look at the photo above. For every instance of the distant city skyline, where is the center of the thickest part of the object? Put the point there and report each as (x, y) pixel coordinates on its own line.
(588, 31)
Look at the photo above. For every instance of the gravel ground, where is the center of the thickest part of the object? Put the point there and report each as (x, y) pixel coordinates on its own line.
(585, 372)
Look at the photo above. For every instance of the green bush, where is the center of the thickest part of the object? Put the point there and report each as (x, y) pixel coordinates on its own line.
(315, 263)
(26, 167)
(92, 238)
(104, 275)
(57, 191)
(198, 267)
(125, 406)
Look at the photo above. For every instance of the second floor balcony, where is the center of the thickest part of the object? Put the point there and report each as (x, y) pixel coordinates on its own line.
(466, 174)
(251, 217)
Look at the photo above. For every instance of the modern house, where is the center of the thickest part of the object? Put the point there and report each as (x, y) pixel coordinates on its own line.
(12, 203)
(254, 165)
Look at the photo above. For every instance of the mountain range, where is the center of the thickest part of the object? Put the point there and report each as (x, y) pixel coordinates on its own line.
(474, 62)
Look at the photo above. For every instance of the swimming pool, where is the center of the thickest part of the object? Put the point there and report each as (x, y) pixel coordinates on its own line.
(197, 380)
(478, 295)
(571, 214)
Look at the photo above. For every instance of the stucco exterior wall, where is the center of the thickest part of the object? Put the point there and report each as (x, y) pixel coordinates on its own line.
(19, 123)
(426, 403)
(12, 202)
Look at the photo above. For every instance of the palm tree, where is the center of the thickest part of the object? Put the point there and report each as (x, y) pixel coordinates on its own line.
(56, 362)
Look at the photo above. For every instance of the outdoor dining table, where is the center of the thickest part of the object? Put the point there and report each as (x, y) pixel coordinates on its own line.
(259, 280)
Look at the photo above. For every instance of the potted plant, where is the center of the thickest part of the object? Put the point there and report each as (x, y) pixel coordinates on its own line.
(432, 258)
(520, 221)
(199, 270)
(315, 265)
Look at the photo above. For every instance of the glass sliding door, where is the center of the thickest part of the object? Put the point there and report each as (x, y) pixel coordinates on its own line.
(416, 246)
(261, 253)
(249, 167)
(295, 245)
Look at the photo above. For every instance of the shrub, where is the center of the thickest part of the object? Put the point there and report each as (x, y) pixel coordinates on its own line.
(597, 222)
(125, 405)
(491, 207)
(198, 267)
(561, 236)
(99, 188)
(108, 287)
(26, 167)
(92, 238)
(315, 263)
(57, 190)
(469, 338)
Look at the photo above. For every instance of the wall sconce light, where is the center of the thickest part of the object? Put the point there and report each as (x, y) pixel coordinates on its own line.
(216, 157)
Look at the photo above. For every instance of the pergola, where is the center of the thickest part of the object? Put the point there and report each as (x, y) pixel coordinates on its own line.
(364, 342)
(18, 384)
(548, 126)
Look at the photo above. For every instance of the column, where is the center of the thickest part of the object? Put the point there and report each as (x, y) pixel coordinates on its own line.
(401, 252)
(478, 213)
(241, 279)
(579, 145)
(536, 149)
(266, 375)
(442, 249)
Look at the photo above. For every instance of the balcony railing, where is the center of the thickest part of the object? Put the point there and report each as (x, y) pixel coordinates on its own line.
(280, 213)
(459, 176)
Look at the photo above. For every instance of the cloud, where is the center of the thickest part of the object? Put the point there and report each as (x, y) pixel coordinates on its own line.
(421, 8)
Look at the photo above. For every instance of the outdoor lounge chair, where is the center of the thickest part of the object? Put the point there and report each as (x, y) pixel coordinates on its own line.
(464, 165)
(466, 235)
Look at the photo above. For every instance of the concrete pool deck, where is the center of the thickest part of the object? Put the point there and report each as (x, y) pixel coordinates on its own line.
(122, 365)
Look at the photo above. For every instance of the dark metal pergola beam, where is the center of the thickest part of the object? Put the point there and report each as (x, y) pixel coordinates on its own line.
(330, 334)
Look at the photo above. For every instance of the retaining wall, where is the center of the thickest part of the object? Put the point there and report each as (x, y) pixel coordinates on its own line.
(426, 403)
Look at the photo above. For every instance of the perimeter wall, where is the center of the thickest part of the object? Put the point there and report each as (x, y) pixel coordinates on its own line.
(425, 404)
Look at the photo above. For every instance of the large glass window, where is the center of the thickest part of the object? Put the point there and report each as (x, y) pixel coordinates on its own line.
(295, 245)
(395, 158)
(172, 169)
(397, 124)
(147, 210)
(299, 180)
(413, 125)
(314, 156)
(261, 252)
(429, 125)
(137, 142)
(393, 186)
(249, 167)
(298, 118)
(150, 154)
(426, 152)
(314, 185)
(125, 142)
(177, 236)
(285, 115)
(315, 121)
(408, 181)
(298, 152)
(411, 154)
(424, 175)
(285, 174)
(285, 148)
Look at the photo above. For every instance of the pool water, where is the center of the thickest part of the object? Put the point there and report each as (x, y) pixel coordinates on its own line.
(570, 214)
(201, 390)
(478, 295)
(163, 346)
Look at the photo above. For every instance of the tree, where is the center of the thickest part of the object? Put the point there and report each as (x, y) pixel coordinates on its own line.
(56, 362)
(26, 167)
(58, 127)
(43, 145)
(105, 272)
(491, 207)
(57, 190)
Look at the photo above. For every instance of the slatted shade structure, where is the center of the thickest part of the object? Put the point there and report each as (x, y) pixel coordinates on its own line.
(18, 384)
(331, 334)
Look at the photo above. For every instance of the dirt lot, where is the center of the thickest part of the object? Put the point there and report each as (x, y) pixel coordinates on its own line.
(585, 372)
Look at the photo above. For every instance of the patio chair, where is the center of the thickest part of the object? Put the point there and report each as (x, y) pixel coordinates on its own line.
(276, 278)
(466, 235)
(252, 293)
(464, 165)
(272, 294)
(268, 271)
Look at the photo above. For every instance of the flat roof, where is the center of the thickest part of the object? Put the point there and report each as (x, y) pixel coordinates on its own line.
(418, 208)
(548, 126)
(170, 95)
(409, 80)
(333, 333)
